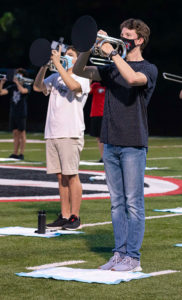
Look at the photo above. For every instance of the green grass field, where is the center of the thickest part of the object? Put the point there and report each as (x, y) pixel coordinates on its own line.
(95, 245)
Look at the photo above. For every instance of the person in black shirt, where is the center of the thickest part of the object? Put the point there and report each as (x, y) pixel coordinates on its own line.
(18, 93)
(129, 83)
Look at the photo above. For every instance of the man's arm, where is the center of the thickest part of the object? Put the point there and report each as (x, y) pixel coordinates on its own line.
(70, 82)
(132, 78)
(80, 68)
(3, 91)
(39, 85)
(20, 87)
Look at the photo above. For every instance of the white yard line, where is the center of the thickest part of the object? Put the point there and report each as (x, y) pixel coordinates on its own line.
(163, 272)
(159, 158)
(28, 141)
(166, 146)
(147, 218)
(57, 264)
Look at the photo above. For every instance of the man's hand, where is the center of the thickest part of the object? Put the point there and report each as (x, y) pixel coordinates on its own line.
(3, 80)
(15, 80)
(55, 57)
(106, 47)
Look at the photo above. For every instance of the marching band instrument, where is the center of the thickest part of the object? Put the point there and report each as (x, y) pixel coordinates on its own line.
(22, 79)
(172, 77)
(85, 36)
(102, 39)
(52, 67)
(100, 61)
(2, 76)
(41, 50)
(97, 49)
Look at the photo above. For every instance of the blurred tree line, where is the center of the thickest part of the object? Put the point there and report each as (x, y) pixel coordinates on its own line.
(21, 22)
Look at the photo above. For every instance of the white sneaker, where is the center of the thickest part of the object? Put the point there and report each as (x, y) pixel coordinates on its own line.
(128, 264)
(115, 259)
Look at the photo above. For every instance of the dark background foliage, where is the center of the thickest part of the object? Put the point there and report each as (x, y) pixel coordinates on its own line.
(21, 22)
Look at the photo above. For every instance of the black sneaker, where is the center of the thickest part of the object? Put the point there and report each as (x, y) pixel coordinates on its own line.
(14, 156)
(57, 224)
(21, 156)
(72, 224)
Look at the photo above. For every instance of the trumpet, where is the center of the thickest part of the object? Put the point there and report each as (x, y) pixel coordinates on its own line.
(2, 76)
(97, 49)
(172, 77)
(22, 79)
(52, 67)
(100, 61)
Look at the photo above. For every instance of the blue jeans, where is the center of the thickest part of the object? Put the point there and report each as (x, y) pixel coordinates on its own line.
(125, 168)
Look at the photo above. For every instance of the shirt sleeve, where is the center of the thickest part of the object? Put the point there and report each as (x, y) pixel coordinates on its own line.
(85, 86)
(49, 83)
(103, 72)
(151, 72)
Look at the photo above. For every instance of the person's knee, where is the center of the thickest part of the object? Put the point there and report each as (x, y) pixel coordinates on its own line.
(65, 180)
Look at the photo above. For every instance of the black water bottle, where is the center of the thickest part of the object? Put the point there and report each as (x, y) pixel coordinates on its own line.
(41, 221)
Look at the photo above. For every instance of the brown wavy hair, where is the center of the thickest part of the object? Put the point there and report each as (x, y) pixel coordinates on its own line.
(142, 30)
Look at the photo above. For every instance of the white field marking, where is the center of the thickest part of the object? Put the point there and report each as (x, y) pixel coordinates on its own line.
(29, 141)
(27, 150)
(90, 163)
(147, 218)
(159, 158)
(22, 167)
(57, 264)
(167, 146)
(90, 148)
(55, 198)
(163, 272)
(51, 184)
(172, 176)
(163, 216)
(29, 162)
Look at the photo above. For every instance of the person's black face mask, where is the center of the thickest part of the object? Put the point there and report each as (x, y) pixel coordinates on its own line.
(130, 44)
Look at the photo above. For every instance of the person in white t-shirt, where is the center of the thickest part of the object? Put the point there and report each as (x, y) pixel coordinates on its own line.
(64, 133)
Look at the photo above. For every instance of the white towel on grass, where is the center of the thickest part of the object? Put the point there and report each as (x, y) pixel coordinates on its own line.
(176, 210)
(31, 232)
(85, 275)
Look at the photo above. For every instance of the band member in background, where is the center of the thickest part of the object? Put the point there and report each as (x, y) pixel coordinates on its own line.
(129, 87)
(96, 114)
(18, 93)
(64, 133)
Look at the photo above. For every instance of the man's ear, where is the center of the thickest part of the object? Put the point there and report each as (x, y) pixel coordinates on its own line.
(140, 41)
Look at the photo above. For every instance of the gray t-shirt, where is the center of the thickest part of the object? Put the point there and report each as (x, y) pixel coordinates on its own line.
(125, 109)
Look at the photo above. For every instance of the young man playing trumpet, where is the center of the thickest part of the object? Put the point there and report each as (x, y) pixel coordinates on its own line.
(64, 133)
(129, 85)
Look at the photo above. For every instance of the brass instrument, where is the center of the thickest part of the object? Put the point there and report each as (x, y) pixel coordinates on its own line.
(172, 77)
(52, 67)
(97, 49)
(22, 79)
(100, 61)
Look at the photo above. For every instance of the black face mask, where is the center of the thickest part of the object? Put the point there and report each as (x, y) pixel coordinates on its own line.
(130, 44)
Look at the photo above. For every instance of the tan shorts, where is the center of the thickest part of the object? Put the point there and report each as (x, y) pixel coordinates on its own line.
(63, 155)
